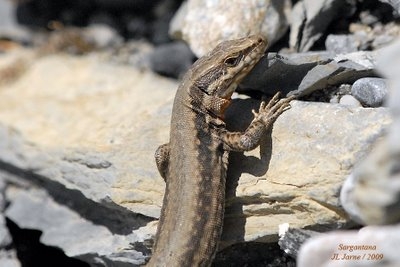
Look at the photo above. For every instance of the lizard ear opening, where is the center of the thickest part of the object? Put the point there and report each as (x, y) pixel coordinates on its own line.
(233, 61)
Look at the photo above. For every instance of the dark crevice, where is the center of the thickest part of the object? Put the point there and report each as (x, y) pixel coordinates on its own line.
(253, 254)
(31, 253)
(117, 219)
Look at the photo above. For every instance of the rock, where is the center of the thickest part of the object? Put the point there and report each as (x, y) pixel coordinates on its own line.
(102, 36)
(290, 240)
(388, 66)
(276, 72)
(372, 37)
(298, 172)
(370, 195)
(86, 148)
(370, 91)
(383, 40)
(8, 258)
(172, 59)
(349, 100)
(69, 230)
(8, 255)
(341, 44)
(309, 20)
(378, 173)
(371, 246)
(303, 74)
(375, 176)
(203, 24)
(177, 21)
(9, 28)
(82, 158)
(394, 3)
(5, 238)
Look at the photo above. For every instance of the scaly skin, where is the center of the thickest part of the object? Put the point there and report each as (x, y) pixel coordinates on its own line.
(194, 161)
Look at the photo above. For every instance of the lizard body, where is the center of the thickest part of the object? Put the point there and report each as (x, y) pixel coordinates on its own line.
(194, 162)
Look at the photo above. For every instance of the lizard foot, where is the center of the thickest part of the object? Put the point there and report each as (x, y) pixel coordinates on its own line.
(268, 113)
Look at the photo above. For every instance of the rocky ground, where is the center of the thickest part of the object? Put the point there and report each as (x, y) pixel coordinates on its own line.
(85, 99)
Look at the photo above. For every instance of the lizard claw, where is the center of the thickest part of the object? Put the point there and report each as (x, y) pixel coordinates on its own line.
(269, 112)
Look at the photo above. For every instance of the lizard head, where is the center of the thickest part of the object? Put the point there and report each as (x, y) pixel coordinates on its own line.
(217, 74)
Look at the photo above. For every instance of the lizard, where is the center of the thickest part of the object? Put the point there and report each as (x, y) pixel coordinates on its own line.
(194, 162)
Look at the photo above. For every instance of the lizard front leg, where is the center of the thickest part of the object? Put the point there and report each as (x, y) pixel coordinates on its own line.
(263, 119)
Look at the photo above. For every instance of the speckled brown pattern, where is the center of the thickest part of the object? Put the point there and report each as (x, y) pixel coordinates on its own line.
(194, 161)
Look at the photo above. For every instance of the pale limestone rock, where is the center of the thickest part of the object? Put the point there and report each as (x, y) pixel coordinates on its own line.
(314, 147)
(203, 24)
(88, 128)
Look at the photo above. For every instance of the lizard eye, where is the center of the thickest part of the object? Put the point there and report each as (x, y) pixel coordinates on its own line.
(233, 61)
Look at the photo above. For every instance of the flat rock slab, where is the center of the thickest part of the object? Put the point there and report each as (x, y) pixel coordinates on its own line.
(90, 126)
(86, 130)
(304, 73)
(296, 175)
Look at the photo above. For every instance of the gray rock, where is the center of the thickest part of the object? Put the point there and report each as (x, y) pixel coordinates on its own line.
(341, 44)
(172, 59)
(102, 36)
(69, 230)
(303, 74)
(177, 21)
(344, 89)
(203, 24)
(275, 72)
(8, 258)
(371, 246)
(383, 40)
(9, 27)
(291, 240)
(310, 19)
(5, 238)
(349, 100)
(378, 174)
(370, 91)
(394, 3)
(389, 67)
(334, 99)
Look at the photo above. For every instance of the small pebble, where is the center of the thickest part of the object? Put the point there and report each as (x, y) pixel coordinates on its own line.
(370, 92)
(349, 100)
(334, 100)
